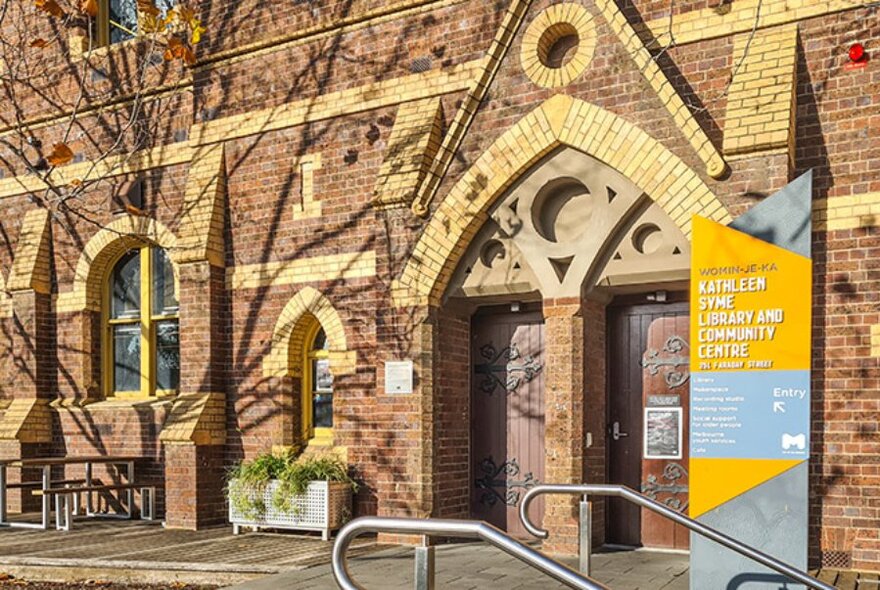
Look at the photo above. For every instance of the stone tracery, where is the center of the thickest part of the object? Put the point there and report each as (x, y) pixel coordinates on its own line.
(572, 223)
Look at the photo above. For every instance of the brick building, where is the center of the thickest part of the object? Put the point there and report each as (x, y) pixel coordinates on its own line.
(500, 192)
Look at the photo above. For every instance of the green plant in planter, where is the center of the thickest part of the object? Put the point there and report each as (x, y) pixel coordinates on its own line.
(248, 480)
(295, 478)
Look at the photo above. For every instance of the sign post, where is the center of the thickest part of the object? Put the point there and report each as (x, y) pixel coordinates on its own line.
(751, 301)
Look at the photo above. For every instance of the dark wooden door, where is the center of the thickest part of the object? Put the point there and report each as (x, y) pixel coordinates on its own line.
(649, 371)
(507, 416)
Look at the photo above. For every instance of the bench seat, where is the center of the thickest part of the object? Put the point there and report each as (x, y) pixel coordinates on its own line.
(37, 484)
(87, 489)
(66, 499)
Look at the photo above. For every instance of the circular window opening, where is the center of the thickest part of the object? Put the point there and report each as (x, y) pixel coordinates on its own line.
(491, 251)
(647, 239)
(558, 45)
(561, 212)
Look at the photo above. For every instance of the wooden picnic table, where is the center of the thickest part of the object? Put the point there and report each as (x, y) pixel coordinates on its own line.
(46, 464)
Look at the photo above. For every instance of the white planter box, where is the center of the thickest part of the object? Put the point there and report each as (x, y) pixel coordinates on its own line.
(324, 507)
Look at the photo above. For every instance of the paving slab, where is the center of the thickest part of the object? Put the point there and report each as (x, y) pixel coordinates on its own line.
(478, 566)
(139, 551)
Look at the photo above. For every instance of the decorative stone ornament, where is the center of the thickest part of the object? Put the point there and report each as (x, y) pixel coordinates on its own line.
(571, 225)
(558, 45)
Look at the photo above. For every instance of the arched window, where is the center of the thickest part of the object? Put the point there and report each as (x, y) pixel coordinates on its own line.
(317, 389)
(141, 335)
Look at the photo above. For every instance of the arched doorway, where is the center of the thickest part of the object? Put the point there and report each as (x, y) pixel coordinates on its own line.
(571, 230)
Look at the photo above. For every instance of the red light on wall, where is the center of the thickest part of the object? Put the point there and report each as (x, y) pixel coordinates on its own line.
(857, 52)
(858, 57)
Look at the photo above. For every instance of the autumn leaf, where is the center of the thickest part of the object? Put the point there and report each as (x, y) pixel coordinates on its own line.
(188, 16)
(61, 155)
(89, 7)
(152, 24)
(50, 7)
(75, 183)
(185, 13)
(147, 7)
(197, 31)
(188, 56)
(40, 43)
(174, 49)
(177, 50)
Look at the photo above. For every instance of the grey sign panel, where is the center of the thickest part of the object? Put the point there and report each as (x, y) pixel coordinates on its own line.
(785, 219)
(772, 517)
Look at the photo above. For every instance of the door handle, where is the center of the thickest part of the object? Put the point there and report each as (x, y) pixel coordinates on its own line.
(616, 434)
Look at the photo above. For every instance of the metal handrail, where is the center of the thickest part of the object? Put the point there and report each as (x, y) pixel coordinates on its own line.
(634, 497)
(472, 529)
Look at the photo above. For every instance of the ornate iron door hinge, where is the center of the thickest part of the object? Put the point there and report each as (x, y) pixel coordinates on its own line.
(668, 493)
(654, 360)
(510, 488)
(516, 372)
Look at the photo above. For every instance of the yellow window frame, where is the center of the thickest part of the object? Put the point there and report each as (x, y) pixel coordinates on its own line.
(322, 436)
(147, 322)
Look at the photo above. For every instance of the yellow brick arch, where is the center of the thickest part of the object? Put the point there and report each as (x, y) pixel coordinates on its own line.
(560, 121)
(113, 240)
(307, 306)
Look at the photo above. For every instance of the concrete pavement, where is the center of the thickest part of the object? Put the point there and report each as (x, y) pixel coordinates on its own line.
(475, 566)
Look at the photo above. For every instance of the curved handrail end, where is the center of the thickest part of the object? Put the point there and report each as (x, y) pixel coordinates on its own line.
(458, 528)
(524, 514)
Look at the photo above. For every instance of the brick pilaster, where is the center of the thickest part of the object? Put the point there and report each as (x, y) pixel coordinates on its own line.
(203, 322)
(33, 345)
(564, 417)
(79, 356)
(26, 424)
(194, 485)
(406, 422)
(194, 434)
(21, 500)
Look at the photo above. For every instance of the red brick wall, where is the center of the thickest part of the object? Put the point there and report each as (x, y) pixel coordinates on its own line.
(120, 429)
(444, 38)
(452, 476)
(838, 119)
(846, 398)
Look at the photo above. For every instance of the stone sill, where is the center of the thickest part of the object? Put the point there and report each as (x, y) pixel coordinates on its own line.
(112, 404)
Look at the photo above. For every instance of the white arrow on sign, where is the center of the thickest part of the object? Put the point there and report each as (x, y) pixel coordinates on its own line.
(778, 407)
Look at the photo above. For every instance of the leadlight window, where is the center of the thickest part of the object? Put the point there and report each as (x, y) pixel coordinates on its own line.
(318, 390)
(143, 333)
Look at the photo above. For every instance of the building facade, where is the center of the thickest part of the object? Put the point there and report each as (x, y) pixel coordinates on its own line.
(500, 192)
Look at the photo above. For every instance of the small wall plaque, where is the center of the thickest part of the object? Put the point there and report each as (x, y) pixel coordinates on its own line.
(398, 377)
(663, 401)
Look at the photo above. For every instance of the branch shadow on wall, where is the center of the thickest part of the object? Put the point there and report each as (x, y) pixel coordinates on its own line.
(811, 153)
(252, 405)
